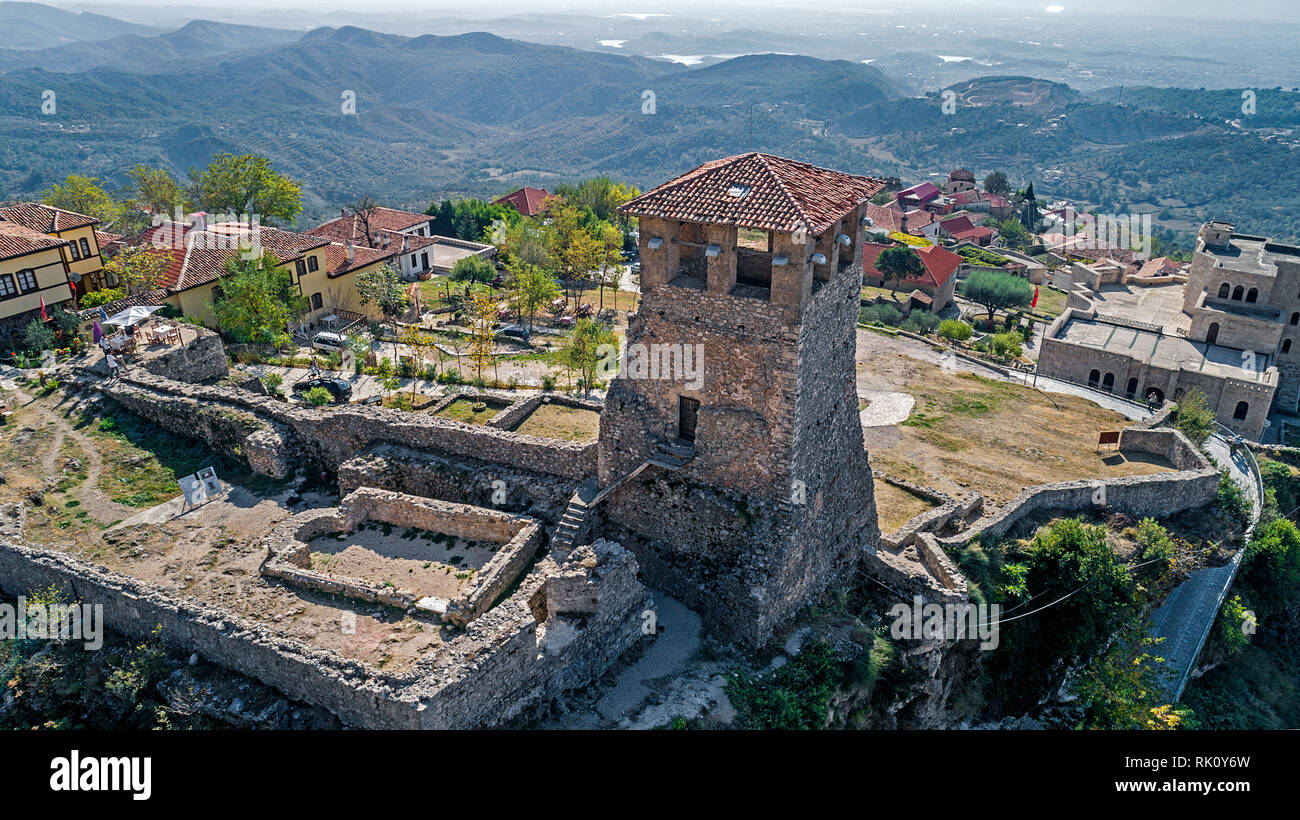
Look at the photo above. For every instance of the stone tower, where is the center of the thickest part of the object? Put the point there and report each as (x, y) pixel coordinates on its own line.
(744, 491)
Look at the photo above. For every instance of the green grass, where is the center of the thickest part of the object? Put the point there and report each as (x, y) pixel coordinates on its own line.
(463, 410)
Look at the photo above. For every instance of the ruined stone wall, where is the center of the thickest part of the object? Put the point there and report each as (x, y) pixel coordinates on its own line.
(202, 359)
(329, 436)
(513, 659)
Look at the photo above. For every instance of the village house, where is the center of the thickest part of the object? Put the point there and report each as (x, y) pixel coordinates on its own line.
(937, 284)
(959, 180)
(321, 270)
(81, 253)
(960, 228)
(33, 274)
(527, 201)
(408, 237)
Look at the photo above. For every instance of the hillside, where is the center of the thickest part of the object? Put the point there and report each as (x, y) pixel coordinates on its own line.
(478, 114)
(32, 25)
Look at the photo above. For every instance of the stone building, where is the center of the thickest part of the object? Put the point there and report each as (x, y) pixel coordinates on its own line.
(762, 495)
(1231, 333)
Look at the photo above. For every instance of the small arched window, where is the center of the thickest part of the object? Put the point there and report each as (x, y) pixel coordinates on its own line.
(1224, 289)
(1252, 295)
(1242, 409)
(1286, 345)
(1093, 378)
(1108, 383)
(1295, 318)
(1132, 388)
(1237, 293)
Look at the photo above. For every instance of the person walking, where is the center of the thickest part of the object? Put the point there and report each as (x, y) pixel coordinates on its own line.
(113, 365)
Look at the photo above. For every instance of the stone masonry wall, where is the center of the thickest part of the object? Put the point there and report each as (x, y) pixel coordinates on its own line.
(202, 359)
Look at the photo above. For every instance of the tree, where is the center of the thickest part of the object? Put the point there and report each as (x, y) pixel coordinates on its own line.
(573, 248)
(84, 195)
(363, 210)
(611, 260)
(138, 268)
(583, 350)
(955, 330)
(525, 241)
(1121, 689)
(103, 296)
(257, 301)
(1029, 215)
(599, 196)
(420, 343)
(1193, 416)
(996, 291)
(899, 262)
(483, 322)
(473, 270)
(154, 190)
(996, 183)
(38, 336)
(383, 288)
(529, 289)
(245, 184)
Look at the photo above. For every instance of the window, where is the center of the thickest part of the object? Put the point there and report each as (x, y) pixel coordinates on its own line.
(1286, 345)
(1237, 293)
(1093, 378)
(27, 280)
(301, 267)
(1108, 383)
(412, 260)
(7, 288)
(316, 301)
(85, 247)
(72, 249)
(1132, 388)
(1223, 290)
(1295, 318)
(1242, 409)
(312, 264)
(1252, 295)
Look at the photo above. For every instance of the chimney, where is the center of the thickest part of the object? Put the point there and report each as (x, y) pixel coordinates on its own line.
(343, 212)
(349, 246)
(199, 220)
(406, 243)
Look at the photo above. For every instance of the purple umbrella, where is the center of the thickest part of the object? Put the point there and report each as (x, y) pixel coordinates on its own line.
(96, 332)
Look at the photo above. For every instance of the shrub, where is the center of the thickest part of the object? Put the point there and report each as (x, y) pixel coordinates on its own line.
(955, 330)
(98, 298)
(796, 696)
(882, 314)
(1232, 499)
(548, 382)
(450, 376)
(1230, 628)
(1193, 416)
(317, 397)
(272, 382)
(925, 319)
(1008, 345)
(1153, 540)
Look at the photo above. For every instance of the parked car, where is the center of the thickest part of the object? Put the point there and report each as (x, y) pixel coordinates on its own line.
(340, 389)
(518, 331)
(329, 342)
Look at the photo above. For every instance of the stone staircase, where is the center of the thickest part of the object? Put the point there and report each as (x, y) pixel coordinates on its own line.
(573, 526)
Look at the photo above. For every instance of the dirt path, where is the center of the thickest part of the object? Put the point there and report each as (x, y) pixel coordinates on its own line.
(103, 509)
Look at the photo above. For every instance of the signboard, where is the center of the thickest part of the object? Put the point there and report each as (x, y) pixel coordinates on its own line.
(193, 490)
(1108, 437)
(211, 484)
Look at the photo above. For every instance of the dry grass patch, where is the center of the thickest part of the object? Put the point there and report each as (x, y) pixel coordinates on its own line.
(561, 422)
(897, 506)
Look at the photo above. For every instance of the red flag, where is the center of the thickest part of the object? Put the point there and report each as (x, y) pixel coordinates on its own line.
(1035, 302)
(44, 317)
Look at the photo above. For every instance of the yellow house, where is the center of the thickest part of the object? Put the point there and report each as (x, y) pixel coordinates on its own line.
(81, 253)
(321, 270)
(33, 270)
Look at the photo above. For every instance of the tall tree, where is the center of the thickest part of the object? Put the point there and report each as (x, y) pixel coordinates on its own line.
(483, 322)
(363, 211)
(996, 183)
(138, 268)
(583, 350)
(529, 289)
(611, 260)
(84, 195)
(383, 288)
(997, 291)
(899, 262)
(257, 301)
(154, 190)
(245, 183)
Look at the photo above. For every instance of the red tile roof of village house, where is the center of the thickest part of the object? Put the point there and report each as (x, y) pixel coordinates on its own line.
(976, 232)
(776, 194)
(921, 190)
(527, 201)
(940, 264)
(1160, 266)
(890, 218)
(336, 258)
(957, 223)
(197, 257)
(18, 240)
(103, 238)
(350, 226)
(45, 218)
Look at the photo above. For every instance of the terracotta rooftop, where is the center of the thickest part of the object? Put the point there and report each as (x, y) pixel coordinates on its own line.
(527, 201)
(940, 264)
(336, 258)
(200, 256)
(18, 240)
(758, 191)
(45, 218)
(350, 226)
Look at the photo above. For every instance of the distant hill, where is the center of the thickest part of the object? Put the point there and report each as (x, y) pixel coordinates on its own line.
(32, 25)
(477, 114)
(132, 52)
(1273, 107)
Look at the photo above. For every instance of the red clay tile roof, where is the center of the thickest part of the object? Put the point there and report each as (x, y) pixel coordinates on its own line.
(527, 201)
(18, 240)
(963, 174)
(351, 227)
(200, 257)
(103, 238)
(757, 191)
(1160, 266)
(940, 264)
(336, 258)
(977, 232)
(923, 191)
(46, 218)
(153, 297)
(955, 224)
